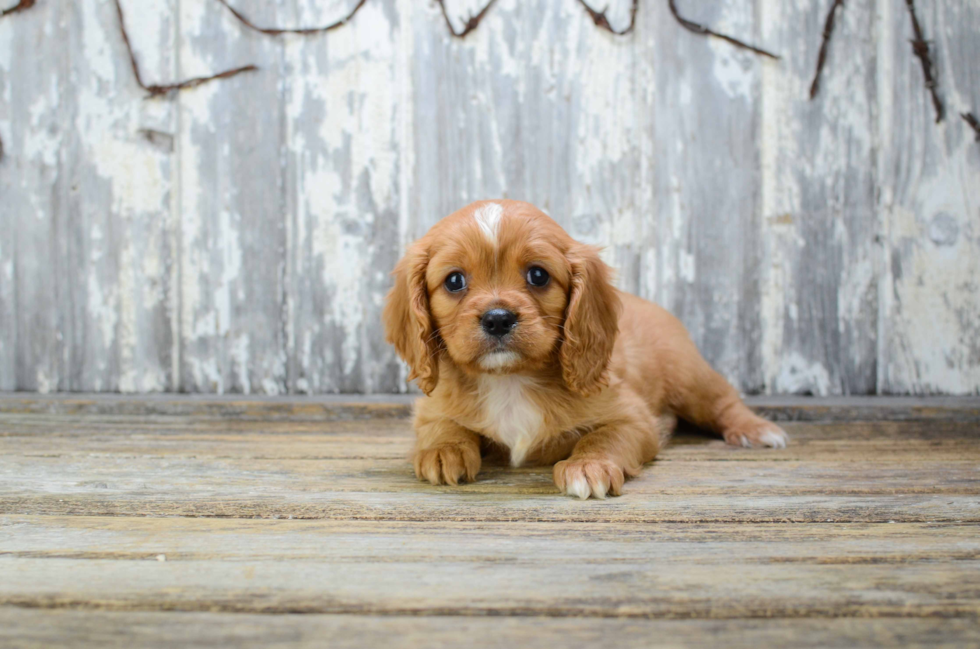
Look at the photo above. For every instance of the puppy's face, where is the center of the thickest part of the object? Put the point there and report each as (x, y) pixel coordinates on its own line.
(498, 285)
(497, 288)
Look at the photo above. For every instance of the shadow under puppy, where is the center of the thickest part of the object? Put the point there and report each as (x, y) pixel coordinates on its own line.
(515, 333)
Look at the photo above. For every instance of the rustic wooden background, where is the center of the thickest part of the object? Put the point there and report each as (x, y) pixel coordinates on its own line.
(237, 237)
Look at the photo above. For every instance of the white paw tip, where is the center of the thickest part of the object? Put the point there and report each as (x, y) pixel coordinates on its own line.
(600, 491)
(578, 487)
(774, 438)
(745, 441)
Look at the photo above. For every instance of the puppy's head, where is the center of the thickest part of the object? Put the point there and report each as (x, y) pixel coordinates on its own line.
(497, 288)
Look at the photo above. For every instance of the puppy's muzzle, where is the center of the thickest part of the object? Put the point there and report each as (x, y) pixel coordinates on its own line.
(497, 323)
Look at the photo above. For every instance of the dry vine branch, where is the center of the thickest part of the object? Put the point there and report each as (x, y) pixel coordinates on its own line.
(305, 31)
(702, 30)
(157, 90)
(600, 20)
(921, 49)
(23, 5)
(971, 119)
(828, 31)
(471, 23)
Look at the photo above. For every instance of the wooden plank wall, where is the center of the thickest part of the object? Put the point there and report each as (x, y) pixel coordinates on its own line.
(237, 237)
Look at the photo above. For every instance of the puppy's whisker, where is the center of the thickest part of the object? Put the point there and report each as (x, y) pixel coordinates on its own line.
(437, 332)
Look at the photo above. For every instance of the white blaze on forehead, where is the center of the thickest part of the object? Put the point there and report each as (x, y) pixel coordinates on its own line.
(488, 218)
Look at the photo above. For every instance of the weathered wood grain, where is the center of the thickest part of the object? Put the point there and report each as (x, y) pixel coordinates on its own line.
(646, 589)
(502, 506)
(222, 477)
(204, 514)
(35, 122)
(34, 202)
(237, 237)
(343, 407)
(706, 150)
(819, 226)
(867, 408)
(313, 465)
(551, 570)
(90, 270)
(118, 220)
(231, 209)
(33, 435)
(197, 539)
(345, 103)
(229, 408)
(929, 186)
(34, 629)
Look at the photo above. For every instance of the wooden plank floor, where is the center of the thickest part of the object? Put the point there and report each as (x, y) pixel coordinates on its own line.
(182, 522)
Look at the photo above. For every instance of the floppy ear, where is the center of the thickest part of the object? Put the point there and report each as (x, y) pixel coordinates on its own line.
(408, 325)
(591, 323)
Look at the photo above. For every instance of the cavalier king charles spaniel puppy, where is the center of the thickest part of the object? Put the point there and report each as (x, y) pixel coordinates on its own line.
(519, 341)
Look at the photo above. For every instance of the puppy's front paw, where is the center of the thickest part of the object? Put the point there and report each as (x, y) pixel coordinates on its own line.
(448, 464)
(761, 433)
(584, 478)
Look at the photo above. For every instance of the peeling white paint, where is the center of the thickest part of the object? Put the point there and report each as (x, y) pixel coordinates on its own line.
(733, 69)
(43, 144)
(131, 378)
(929, 340)
(798, 375)
(686, 266)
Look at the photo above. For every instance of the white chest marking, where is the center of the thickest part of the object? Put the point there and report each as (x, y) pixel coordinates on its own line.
(510, 414)
(488, 218)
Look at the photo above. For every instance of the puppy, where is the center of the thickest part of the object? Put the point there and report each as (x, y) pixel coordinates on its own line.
(515, 334)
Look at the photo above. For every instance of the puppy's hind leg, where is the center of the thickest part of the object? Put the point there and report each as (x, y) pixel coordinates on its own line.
(707, 400)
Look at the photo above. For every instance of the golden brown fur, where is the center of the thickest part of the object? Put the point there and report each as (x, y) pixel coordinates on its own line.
(590, 378)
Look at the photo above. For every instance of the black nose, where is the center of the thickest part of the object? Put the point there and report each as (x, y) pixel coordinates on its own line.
(498, 322)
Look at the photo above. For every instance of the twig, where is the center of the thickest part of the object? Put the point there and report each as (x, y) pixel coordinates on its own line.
(971, 119)
(276, 31)
(706, 31)
(157, 90)
(921, 49)
(599, 18)
(23, 5)
(828, 31)
(471, 23)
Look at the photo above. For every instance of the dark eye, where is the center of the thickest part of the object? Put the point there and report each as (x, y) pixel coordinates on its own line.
(456, 282)
(537, 276)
